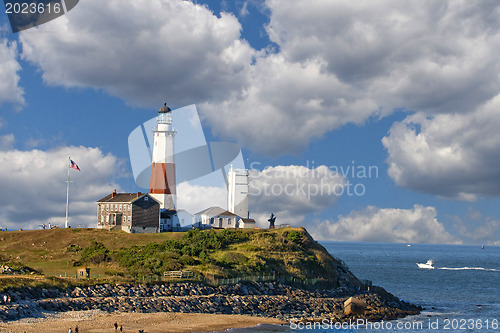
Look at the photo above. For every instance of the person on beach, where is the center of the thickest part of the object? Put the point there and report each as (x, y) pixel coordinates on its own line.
(121, 328)
(70, 330)
(76, 329)
(116, 326)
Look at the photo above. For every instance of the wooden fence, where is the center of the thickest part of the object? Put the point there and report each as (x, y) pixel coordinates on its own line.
(222, 281)
(179, 274)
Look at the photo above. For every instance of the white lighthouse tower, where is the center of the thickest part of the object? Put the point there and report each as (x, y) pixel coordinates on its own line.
(162, 183)
(237, 195)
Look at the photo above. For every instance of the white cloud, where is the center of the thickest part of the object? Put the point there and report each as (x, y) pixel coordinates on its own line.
(476, 228)
(423, 55)
(34, 188)
(287, 105)
(10, 92)
(451, 155)
(195, 198)
(244, 9)
(417, 225)
(6, 142)
(151, 51)
(291, 192)
(336, 62)
(343, 62)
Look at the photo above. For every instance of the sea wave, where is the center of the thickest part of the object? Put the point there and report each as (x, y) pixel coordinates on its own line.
(469, 268)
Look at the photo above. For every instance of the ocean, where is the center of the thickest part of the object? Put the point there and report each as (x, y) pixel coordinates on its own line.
(462, 293)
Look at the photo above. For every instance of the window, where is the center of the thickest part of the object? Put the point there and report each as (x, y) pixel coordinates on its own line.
(120, 207)
(107, 207)
(129, 219)
(102, 207)
(211, 220)
(146, 198)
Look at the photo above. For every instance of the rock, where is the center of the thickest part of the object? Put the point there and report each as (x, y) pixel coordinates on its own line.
(354, 306)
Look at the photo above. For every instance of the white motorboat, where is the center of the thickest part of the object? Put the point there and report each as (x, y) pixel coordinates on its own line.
(428, 265)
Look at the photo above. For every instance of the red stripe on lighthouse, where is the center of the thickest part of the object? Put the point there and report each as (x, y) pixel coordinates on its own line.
(162, 178)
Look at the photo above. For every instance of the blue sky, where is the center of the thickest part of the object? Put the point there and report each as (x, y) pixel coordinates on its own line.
(409, 88)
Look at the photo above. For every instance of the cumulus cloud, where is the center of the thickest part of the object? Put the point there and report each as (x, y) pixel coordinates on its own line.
(336, 62)
(331, 63)
(195, 198)
(416, 225)
(10, 91)
(152, 51)
(474, 227)
(287, 105)
(34, 188)
(291, 192)
(450, 155)
(343, 62)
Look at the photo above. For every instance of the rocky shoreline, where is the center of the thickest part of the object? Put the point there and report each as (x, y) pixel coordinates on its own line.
(272, 300)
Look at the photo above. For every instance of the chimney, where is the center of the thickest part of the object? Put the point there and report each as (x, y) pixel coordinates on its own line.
(139, 194)
(113, 194)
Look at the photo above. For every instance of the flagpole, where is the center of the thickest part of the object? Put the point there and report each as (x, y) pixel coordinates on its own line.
(67, 195)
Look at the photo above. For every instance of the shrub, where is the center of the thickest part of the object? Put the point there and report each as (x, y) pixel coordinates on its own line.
(73, 248)
(204, 257)
(231, 259)
(95, 253)
(295, 237)
(188, 260)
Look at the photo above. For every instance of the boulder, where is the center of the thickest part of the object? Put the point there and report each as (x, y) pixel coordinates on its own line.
(354, 306)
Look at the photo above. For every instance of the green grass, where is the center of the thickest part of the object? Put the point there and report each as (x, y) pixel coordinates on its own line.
(287, 252)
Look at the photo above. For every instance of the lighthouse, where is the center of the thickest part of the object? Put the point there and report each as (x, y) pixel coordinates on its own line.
(162, 182)
(237, 194)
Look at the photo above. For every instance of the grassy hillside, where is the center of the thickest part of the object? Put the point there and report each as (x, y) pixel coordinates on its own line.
(287, 252)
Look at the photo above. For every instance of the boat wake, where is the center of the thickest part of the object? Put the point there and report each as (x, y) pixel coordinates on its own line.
(469, 268)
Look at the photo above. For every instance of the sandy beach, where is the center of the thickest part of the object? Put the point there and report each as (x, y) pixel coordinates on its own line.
(99, 321)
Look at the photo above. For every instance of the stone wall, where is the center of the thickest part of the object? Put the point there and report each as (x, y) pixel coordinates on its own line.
(257, 299)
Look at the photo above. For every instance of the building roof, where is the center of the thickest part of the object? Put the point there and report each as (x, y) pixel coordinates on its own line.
(183, 210)
(216, 211)
(248, 220)
(170, 212)
(124, 197)
(167, 212)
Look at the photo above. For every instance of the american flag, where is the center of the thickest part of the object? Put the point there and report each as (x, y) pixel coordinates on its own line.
(74, 166)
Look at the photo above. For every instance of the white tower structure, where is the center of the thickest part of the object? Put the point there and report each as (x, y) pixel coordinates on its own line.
(162, 183)
(237, 195)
